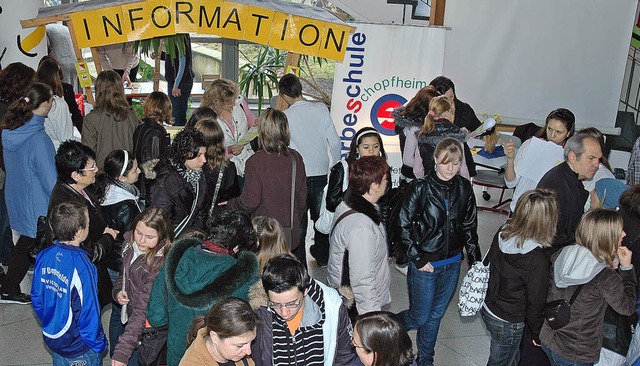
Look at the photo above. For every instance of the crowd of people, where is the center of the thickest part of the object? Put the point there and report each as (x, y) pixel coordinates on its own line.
(197, 242)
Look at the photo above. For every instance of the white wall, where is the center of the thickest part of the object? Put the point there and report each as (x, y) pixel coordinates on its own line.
(522, 59)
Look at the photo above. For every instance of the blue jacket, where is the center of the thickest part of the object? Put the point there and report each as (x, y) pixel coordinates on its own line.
(31, 174)
(64, 296)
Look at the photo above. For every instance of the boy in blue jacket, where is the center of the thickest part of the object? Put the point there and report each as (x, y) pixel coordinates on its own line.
(64, 291)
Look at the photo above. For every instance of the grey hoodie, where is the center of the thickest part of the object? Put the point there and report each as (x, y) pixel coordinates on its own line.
(575, 265)
(509, 246)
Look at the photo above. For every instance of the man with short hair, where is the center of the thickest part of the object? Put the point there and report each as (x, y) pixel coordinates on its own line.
(305, 323)
(314, 136)
(582, 155)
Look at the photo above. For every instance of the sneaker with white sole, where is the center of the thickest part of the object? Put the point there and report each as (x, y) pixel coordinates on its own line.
(22, 299)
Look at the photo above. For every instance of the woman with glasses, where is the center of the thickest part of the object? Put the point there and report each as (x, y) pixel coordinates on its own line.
(30, 176)
(235, 120)
(268, 188)
(77, 169)
(197, 274)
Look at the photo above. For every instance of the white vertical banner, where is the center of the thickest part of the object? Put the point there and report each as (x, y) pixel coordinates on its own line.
(383, 68)
(17, 44)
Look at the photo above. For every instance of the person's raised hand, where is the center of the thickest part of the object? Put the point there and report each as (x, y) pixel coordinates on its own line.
(509, 149)
(624, 255)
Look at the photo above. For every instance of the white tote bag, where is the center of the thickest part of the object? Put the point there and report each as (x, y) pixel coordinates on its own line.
(325, 219)
(474, 289)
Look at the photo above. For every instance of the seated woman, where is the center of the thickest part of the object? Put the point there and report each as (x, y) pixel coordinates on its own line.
(223, 336)
(358, 244)
(180, 187)
(380, 340)
(268, 186)
(587, 266)
(77, 170)
(558, 128)
(197, 274)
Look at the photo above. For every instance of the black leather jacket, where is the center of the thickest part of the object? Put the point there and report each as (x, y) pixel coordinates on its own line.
(433, 232)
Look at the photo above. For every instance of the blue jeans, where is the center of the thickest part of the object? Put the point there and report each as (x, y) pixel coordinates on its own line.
(557, 360)
(320, 247)
(429, 296)
(90, 358)
(505, 340)
(179, 104)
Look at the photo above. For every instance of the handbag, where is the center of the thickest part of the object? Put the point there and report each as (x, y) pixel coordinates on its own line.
(325, 218)
(152, 347)
(288, 230)
(216, 192)
(40, 243)
(474, 288)
(558, 312)
(618, 331)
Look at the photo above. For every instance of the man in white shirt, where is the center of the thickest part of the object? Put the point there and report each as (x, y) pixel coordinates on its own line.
(314, 136)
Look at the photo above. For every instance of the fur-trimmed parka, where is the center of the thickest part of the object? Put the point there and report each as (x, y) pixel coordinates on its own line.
(195, 279)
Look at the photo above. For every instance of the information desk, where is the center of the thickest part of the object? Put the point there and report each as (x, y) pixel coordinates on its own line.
(143, 89)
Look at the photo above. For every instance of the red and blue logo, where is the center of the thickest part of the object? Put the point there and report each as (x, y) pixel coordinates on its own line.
(381, 117)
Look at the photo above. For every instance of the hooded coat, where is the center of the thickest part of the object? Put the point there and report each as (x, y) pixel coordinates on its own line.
(518, 282)
(575, 265)
(31, 174)
(120, 207)
(192, 280)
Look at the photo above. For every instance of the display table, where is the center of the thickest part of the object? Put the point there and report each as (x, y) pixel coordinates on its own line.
(143, 89)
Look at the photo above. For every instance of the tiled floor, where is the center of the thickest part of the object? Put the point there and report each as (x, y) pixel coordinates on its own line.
(461, 341)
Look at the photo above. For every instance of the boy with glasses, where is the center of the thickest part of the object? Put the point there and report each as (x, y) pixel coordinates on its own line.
(305, 323)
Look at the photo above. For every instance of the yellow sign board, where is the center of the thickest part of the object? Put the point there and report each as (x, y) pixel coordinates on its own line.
(156, 18)
(83, 74)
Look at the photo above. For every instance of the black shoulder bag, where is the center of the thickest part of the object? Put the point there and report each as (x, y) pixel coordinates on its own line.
(558, 312)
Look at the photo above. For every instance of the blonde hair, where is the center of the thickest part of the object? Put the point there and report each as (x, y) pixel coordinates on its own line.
(437, 107)
(271, 239)
(157, 107)
(273, 132)
(451, 148)
(219, 92)
(600, 231)
(535, 218)
(214, 138)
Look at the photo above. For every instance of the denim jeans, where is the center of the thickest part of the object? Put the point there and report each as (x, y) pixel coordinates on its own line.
(179, 104)
(429, 296)
(557, 360)
(505, 340)
(320, 247)
(90, 358)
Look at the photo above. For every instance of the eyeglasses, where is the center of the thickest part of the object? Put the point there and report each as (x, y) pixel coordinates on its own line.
(94, 167)
(289, 305)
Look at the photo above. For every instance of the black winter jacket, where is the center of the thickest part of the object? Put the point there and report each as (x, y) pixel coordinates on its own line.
(431, 230)
(98, 244)
(173, 193)
(518, 285)
(400, 123)
(119, 216)
(229, 187)
(150, 141)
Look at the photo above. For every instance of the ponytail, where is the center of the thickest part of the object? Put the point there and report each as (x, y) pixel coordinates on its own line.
(198, 323)
(437, 107)
(21, 110)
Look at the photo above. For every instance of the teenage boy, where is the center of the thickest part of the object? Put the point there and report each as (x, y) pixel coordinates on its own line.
(64, 293)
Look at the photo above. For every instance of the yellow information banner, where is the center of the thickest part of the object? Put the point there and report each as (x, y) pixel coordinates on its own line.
(156, 18)
(83, 74)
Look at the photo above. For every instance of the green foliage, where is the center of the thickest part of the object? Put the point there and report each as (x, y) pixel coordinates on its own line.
(261, 74)
(149, 46)
(145, 71)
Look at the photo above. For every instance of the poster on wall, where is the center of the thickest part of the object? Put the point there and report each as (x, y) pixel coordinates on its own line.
(383, 68)
(17, 44)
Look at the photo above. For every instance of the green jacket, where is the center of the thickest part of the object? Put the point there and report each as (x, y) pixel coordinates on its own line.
(195, 280)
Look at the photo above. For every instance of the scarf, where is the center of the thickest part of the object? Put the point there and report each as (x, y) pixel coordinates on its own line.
(191, 176)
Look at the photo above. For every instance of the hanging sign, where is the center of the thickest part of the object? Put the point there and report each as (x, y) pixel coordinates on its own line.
(83, 74)
(157, 18)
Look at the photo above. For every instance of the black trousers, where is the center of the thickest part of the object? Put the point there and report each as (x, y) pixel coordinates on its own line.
(18, 266)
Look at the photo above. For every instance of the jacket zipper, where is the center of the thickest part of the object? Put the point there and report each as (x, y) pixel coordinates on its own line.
(446, 234)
